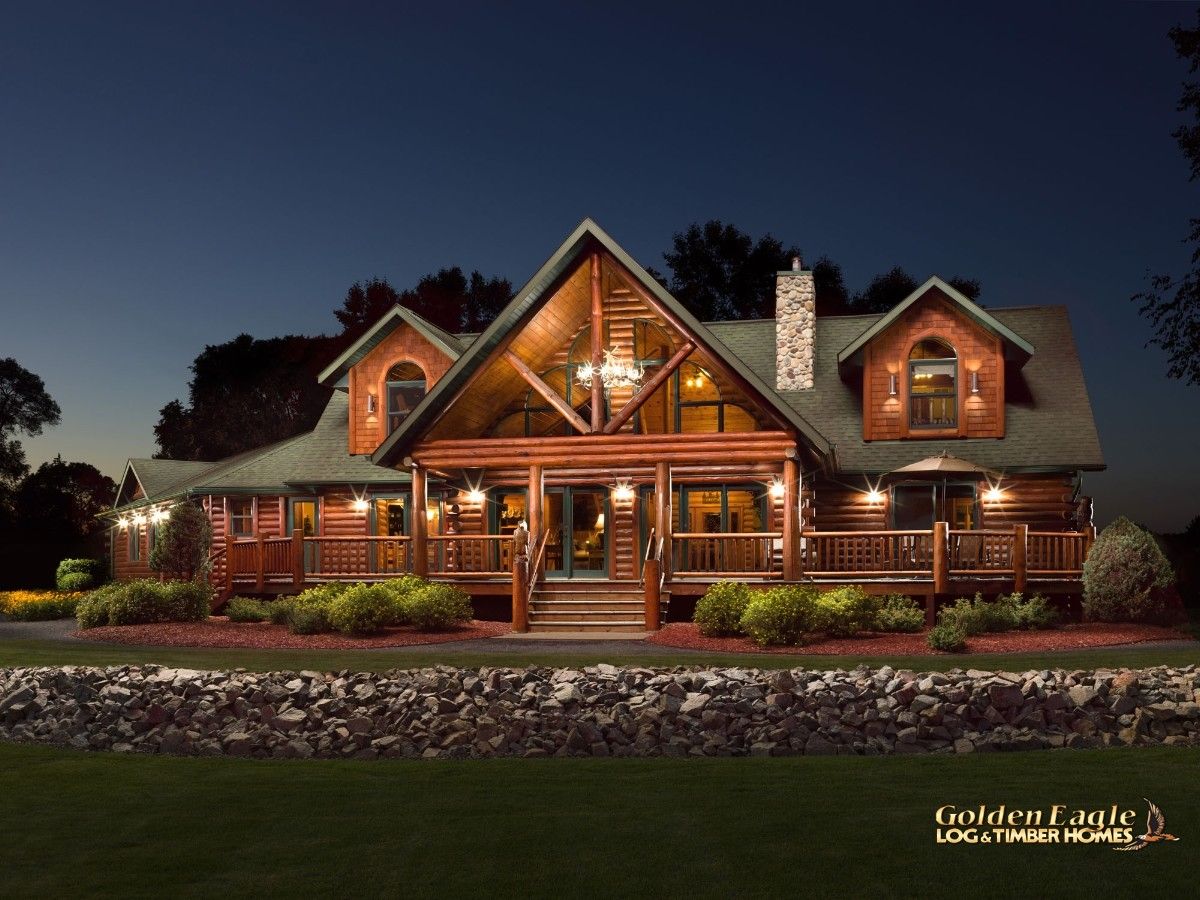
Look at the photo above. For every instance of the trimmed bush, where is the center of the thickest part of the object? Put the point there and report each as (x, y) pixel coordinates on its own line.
(719, 611)
(978, 616)
(308, 620)
(280, 612)
(781, 615)
(1034, 614)
(844, 611)
(1126, 575)
(243, 609)
(79, 574)
(897, 613)
(364, 609)
(144, 602)
(948, 637)
(436, 607)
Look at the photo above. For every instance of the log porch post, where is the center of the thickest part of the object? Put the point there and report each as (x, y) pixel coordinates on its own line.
(420, 523)
(597, 345)
(259, 575)
(533, 503)
(652, 605)
(297, 557)
(941, 563)
(662, 512)
(791, 515)
(1020, 557)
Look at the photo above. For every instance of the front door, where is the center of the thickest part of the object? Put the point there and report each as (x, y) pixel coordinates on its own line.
(302, 514)
(577, 532)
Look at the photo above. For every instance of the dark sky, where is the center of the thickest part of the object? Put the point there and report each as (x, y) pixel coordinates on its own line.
(173, 174)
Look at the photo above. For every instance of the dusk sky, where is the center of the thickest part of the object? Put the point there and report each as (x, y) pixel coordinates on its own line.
(173, 174)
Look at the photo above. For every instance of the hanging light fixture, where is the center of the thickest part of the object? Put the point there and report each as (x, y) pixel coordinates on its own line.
(612, 373)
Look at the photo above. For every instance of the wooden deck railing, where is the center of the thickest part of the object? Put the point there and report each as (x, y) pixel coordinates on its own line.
(470, 555)
(898, 554)
(976, 552)
(725, 555)
(1056, 553)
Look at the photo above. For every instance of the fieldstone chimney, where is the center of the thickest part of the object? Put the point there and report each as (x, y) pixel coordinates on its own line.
(795, 327)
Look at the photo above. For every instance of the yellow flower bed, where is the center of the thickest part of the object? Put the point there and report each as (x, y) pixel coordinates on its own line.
(36, 606)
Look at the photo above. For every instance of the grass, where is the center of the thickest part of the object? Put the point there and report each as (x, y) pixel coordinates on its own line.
(135, 826)
(54, 653)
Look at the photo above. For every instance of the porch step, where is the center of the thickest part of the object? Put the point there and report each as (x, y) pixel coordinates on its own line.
(598, 607)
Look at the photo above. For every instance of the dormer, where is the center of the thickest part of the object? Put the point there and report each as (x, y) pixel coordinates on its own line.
(387, 372)
(934, 368)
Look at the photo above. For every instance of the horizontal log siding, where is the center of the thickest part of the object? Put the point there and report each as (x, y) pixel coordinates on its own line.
(840, 506)
(1043, 502)
(123, 569)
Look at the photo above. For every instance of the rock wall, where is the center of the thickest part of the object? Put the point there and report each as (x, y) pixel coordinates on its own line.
(795, 329)
(599, 711)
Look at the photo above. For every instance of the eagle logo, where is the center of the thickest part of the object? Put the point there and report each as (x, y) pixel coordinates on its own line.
(1156, 831)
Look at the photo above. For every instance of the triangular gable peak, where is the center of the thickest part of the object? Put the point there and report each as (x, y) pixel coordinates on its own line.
(129, 488)
(531, 356)
(400, 342)
(1016, 348)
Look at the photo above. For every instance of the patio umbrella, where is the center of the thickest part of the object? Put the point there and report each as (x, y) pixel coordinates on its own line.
(941, 468)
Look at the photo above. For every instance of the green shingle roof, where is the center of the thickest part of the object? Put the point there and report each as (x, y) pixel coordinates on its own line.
(375, 335)
(1048, 424)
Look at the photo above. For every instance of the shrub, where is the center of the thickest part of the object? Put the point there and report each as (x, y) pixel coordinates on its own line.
(243, 609)
(363, 609)
(38, 606)
(780, 615)
(143, 602)
(183, 542)
(978, 616)
(948, 637)
(1125, 576)
(280, 612)
(719, 611)
(1033, 614)
(79, 574)
(436, 607)
(308, 620)
(844, 611)
(896, 612)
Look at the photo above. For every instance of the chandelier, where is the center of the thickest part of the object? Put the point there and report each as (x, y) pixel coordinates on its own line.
(612, 373)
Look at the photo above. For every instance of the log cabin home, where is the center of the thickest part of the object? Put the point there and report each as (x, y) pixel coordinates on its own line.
(597, 457)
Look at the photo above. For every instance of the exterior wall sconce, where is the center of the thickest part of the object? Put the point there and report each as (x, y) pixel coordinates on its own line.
(623, 490)
(778, 488)
(975, 383)
(475, 495)
(892, 385)
(371, 404)
(993, 495)
(360, 504)
(875, 497)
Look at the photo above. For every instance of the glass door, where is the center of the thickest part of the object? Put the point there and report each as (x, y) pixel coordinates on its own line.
(577, 527)
(389, 519)
(302, 514)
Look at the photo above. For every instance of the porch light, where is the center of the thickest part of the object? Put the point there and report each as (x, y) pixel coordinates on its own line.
(892, 385)
(158, 515)
(475, 495)
(993, 495)
(370, 403)
(778, 488)
(361, 504)
(623, 491)
(123, 523)
(874, 496)
(139, 519)
(975, 382)
(612, 373)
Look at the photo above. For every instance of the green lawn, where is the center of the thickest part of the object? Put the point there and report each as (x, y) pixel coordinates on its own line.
(102, 824)
(46, 653)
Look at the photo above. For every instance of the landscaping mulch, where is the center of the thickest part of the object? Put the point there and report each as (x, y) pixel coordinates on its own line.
(218, 631)
(1069, 637)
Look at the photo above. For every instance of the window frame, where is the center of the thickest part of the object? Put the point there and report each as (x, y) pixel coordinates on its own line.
(396, 417)
(135, 542)
(952, 395)
(234, 517)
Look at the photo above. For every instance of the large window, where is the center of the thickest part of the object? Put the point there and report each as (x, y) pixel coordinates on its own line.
(932, 385)
(135, 542)
(537, 417)
(405, 389)
(241, 518)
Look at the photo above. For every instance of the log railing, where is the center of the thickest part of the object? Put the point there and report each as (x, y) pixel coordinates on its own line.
(347, 558)
(975, 552)
(900, 554)
(725, 554)
(470, 555)
(1056, 553)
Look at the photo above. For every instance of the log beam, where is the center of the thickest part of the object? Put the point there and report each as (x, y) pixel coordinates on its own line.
(662, 512)
(791, 516)
(617, 422)
(420, 522)
(548, 393)
(597, 344)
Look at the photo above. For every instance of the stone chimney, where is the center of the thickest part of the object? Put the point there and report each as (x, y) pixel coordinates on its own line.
(795, 328)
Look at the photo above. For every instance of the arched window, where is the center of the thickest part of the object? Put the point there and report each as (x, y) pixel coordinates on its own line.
(933, 385)
(405, 389)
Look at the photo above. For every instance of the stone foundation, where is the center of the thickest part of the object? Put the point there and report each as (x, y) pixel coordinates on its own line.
(598, 711)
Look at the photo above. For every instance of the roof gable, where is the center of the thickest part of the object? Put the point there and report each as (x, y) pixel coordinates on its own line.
(335, 374)
(528, 300)
(1017, 348)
